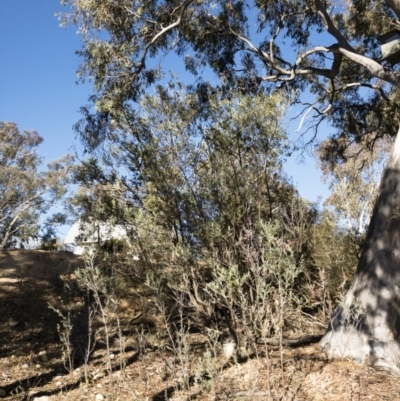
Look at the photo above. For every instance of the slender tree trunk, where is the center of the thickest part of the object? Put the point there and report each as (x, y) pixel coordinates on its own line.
(3, 242)
(366, 325)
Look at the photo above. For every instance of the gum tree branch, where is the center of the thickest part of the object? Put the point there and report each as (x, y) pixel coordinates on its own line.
(278, 30)
(364, 85)
(345, 49)
(320, 5)
(262, 54)
(141, 64)
(373, 67)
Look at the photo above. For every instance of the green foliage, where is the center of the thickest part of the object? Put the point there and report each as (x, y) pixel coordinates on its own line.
(334, 259)
(204, 176)
(27, 192)
(219, 230)
(113, 245)
(51, 245)
(195, 170)
(354, 182)
(259, 297)
(245, 45)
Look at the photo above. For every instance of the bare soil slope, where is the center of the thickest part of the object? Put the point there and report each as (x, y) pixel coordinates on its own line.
(147, 368)
(29, 281)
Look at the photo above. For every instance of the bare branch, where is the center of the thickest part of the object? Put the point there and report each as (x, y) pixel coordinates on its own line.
(141, 64)
(337, 62)
(323, 72)
(184, 6)
(338, 50)
(263, 55)
(344, 47)
(10, 229)
(305, 116)
(365, 85)
(311, 108)
(309, 52)
(330, 26)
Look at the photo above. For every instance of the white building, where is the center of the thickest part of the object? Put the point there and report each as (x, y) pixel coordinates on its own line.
(83, 236)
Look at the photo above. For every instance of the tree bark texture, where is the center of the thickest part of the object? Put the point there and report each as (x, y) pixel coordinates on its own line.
(366, 325)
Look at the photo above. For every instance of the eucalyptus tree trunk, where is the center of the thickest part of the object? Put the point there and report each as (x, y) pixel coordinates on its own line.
(366, 325)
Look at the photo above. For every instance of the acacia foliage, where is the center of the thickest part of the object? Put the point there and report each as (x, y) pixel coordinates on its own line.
(26, 193)
(221, 167)
(218, 227)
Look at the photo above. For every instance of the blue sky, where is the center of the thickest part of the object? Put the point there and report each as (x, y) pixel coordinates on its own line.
(38, 87)
(37, 73)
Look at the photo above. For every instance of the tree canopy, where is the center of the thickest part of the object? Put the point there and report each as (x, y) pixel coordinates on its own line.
(331, 49)
(26, 193)
(191, 169)
(215, 221)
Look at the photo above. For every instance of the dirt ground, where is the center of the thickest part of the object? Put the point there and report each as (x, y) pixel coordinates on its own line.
(144, 366)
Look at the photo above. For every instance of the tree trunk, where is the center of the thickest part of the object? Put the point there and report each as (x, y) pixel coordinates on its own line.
(366, 325)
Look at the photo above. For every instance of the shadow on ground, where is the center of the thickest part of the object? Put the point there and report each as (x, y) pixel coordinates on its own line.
(29, 282)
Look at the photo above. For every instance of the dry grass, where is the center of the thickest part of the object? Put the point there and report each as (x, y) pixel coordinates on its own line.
(31, 364)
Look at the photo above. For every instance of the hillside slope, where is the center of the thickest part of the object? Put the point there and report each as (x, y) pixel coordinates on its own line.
(145, 366)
